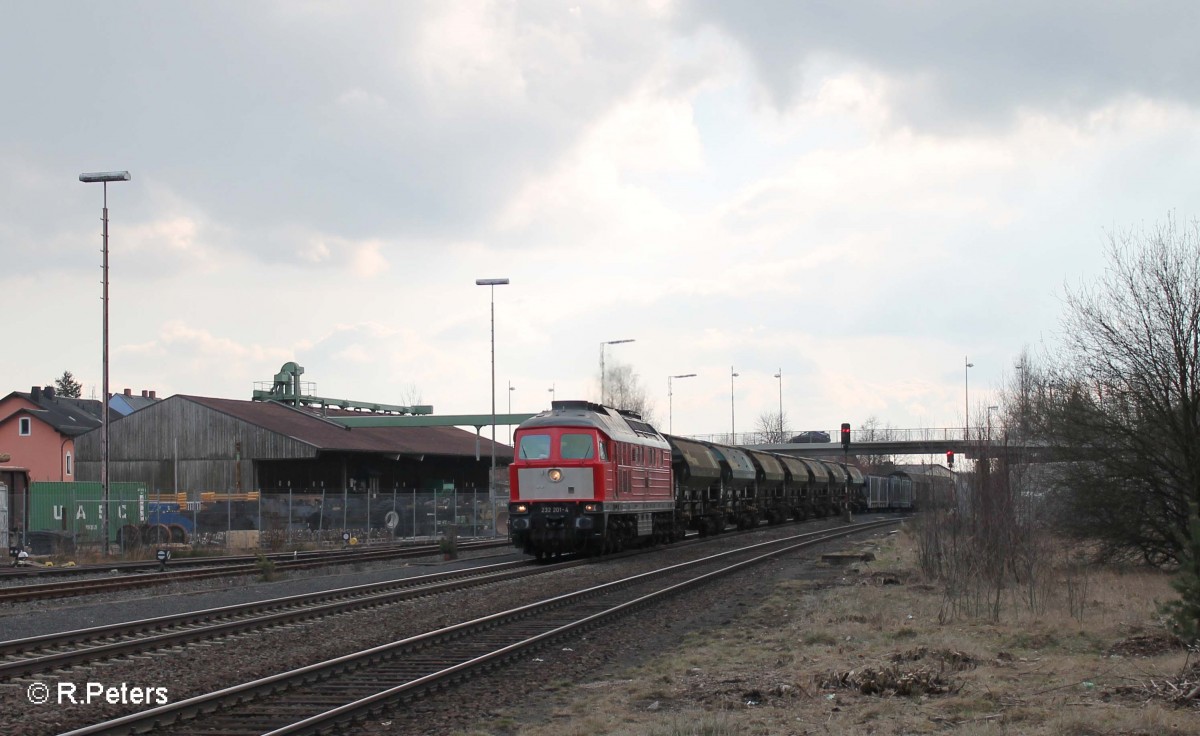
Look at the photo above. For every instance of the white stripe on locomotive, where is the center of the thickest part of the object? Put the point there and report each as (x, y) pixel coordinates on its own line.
(575, 485)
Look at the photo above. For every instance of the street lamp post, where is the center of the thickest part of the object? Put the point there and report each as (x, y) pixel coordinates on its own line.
(104, 177)
(779, 375)
(967, 399)
(732, 422)
(551, 390)
(492, 284)
(609, 342)
(1023, 406)
(671, 401)
(511, 388)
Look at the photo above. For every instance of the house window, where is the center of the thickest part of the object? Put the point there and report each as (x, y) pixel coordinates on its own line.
(70, 465)
(24, 426)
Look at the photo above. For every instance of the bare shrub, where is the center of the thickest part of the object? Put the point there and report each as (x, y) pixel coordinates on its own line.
(991, 553)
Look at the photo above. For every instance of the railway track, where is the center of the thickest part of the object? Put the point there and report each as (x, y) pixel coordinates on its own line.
(42, 654)
(324, 696)
(10, 573)
(70, 588)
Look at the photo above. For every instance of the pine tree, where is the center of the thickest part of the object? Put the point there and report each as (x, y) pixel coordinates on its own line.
(67, 386)
(1183, 615)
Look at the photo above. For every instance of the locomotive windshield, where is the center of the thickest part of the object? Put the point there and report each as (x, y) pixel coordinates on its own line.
(535, 447)
(577, 446)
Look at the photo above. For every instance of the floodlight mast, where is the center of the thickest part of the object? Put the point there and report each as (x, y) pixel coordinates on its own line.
(104, 177)
(493, 283)
(671, 400)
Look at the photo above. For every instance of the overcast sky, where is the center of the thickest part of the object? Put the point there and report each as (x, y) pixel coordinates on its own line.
(859, 194)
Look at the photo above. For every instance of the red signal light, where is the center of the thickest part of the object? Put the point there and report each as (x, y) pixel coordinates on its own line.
(950, 458)
(845, 434)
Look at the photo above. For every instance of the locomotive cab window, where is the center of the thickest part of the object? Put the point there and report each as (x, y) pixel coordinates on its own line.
(535, 447)
(577, 447)
(604, 451)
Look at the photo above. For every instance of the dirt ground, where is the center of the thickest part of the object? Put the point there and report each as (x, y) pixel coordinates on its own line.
(867, 647)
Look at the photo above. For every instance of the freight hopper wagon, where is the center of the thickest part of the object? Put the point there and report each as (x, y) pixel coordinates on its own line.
(587, 478)
(705, 499)
(718, 485)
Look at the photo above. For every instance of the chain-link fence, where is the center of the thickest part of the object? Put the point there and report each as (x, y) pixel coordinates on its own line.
(66, 517)
(294, 519)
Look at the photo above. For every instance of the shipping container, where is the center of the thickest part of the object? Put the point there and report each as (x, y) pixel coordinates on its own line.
(78, 508)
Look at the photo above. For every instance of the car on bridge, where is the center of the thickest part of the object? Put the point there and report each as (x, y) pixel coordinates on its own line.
(810, 436)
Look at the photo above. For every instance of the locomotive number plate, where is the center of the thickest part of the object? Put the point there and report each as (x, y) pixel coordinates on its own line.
(555, 509)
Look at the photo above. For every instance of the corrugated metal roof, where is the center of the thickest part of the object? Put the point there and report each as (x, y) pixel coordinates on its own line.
(324, 434)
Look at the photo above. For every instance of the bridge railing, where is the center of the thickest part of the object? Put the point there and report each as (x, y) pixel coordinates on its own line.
(923, 434)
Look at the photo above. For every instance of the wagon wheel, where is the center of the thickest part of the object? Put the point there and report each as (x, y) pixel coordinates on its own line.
(156, 534)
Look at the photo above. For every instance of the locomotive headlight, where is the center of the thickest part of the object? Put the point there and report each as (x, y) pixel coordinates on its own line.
(521, 508)
(555, 475)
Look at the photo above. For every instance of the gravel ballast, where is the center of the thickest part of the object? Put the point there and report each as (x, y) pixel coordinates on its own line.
(204, 667)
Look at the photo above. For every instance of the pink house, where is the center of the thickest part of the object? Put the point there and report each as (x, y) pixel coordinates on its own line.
(38, 430)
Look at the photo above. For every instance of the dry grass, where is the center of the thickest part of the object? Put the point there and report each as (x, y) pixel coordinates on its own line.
(869, 656)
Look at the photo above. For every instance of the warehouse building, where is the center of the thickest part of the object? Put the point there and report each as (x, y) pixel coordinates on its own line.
(196, 443)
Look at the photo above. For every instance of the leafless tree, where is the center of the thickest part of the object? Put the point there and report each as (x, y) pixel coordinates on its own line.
(771, 429)
(872, 430)
(410, 395)
(1123, 404)
(623, 390)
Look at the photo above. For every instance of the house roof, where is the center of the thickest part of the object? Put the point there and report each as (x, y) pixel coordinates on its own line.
(923, 469)
(131, 402)
(69, 417)
(310, 428)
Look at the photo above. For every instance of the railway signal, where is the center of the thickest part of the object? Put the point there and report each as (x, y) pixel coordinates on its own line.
(950, 458)
(845, 435)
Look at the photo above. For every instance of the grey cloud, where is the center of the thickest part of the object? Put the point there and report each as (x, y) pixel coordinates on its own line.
(235, 107)
(967, 64)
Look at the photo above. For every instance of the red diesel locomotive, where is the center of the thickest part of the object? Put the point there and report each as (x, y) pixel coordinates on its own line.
(588, 478)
